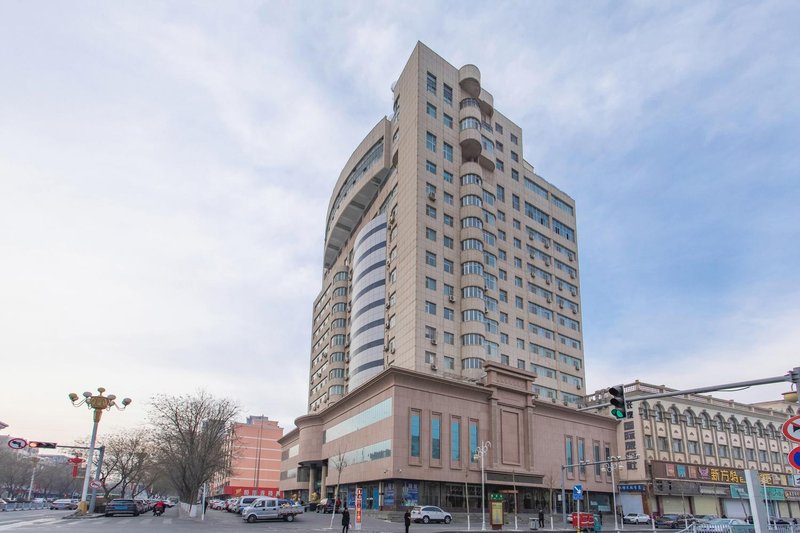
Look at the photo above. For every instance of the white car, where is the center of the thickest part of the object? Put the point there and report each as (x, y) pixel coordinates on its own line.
(636, 518)
(63, 504)
(430, 513)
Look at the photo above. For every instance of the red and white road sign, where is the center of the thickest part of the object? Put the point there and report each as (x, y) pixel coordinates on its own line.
(358, 507)
(17, 444)
(95, 484)
(791, 428)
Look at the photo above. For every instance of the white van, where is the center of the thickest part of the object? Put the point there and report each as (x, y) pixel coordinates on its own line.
(267, 508)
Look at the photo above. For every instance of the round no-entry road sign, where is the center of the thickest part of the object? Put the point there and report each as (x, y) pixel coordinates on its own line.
(791, 429)
(794, 458)
(95, 484)
(17, 444)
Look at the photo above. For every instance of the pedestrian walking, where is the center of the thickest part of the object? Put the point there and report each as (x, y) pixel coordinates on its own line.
(541, 519)
(407, 519)
(345, 520)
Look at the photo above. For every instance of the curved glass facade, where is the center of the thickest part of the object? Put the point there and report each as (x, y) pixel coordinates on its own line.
(369, 295)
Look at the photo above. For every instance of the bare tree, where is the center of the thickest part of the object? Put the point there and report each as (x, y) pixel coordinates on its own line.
(128, 454)
(15, 472)
(339, 463)
(192, 432)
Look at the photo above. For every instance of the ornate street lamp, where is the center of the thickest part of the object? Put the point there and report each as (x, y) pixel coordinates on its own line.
(481, 452)
(96, 403)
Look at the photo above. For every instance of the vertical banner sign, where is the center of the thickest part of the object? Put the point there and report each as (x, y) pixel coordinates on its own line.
(358, 508)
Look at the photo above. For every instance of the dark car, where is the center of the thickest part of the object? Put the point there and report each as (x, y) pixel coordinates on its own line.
(122, 506)
(325, 505)
(675, 521)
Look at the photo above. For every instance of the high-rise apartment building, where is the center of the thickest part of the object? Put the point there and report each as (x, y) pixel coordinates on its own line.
(444, 249)
(450, 274)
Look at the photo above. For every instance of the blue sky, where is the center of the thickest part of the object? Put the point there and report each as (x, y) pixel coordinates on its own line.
(165, 170)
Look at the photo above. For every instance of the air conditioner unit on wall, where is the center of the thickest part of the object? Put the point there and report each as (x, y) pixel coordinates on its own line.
(433, 367)
(433, 341)
(432, 196)
(452, 298)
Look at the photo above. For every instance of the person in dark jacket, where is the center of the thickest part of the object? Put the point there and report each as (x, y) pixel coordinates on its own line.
(345, 520)
(407, 519)
(541, 519)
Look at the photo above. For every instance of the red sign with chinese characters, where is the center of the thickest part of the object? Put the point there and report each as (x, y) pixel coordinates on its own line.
(253, 491)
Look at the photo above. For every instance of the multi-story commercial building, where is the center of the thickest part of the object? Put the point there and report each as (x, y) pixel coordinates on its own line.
(693, 449)
(449, 313)
(254, 460)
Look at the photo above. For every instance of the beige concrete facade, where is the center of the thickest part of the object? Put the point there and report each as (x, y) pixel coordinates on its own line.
(450, 306)
(416, 463)
(693, 449)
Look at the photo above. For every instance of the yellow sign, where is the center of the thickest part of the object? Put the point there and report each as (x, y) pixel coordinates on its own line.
(497, 513)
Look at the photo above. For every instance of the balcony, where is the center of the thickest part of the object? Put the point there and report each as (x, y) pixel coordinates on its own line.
(469, 78)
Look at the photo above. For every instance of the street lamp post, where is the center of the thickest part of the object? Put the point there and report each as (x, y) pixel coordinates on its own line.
(481, 452)
(97, 404)
(614, 463)
(35, 461)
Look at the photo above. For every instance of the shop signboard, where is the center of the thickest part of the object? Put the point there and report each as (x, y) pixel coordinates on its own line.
(773, 493)
(631, 487)
(714, 474)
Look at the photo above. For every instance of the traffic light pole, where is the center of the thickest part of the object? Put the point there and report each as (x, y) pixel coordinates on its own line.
(793, 376)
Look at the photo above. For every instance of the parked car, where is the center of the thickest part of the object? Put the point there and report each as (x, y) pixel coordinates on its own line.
(430, 513)
(121, 506)
(675, 521)
(325, 505)
(230, 505)
(63, 504)
(719, 525)
(636, 518)
(245, 501)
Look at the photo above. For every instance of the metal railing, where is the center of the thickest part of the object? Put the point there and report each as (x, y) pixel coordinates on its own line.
(23, 506)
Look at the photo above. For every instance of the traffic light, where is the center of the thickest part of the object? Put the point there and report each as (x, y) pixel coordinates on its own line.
(619, 409)
(37, 444)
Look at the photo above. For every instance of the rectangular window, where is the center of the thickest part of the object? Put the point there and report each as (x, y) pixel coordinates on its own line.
(448, 266)
(514, 139)
(448, 151)
(514, 156)
(430, 308)
(430, 167)
(430, 259)
(430, 234)
(415, 416)
(431, 110)
(448, 120)
(448, 314)
(504, 359)
(582, 456)
(448, 220)
(708, 448)
(448, 241)
(430, 358)
(447, 176)
(514, 175)
(501, 193)
(498, 146)
(677, 445)
(498, 128)
(447, 92)
(430, 141)
(596, 453)
(436, 436)
(430, 211)
(449, 363)
(500, 165)
(455, 439)
(568, 453)
(430, 283)
(521, 363)
(473, 440)
(662, 444)
(449, 338)
(431, 83)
